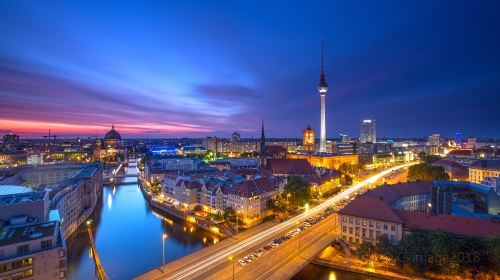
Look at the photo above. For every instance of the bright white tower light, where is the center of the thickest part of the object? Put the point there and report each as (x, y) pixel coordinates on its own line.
(322, 89)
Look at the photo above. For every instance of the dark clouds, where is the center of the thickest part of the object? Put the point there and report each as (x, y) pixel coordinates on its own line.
(193, 69)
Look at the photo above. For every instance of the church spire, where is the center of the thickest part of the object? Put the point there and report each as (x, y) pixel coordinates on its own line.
(262, 141)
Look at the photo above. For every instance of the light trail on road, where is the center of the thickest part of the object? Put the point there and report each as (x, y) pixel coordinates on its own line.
(206, 264)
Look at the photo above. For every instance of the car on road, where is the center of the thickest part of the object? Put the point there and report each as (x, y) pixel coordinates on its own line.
(242, 262)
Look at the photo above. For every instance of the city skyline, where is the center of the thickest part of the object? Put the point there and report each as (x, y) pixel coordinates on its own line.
(417, 69)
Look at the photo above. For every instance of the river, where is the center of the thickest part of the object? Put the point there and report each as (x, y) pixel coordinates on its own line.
(128, 235)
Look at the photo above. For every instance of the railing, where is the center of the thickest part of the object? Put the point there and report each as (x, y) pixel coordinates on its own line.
(101, 274)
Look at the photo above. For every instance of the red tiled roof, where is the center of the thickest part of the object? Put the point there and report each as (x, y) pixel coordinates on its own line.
(370, 208)
(253, 187)
(290, 166)
(275, 149)
(474, 227)
(390, 193)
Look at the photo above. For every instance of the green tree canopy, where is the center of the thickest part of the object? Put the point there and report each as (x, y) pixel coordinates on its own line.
(299, 189)
(429, 159)
(229, 214)
(425, 171)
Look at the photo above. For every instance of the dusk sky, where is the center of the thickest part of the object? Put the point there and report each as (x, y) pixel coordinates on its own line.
(200, 68)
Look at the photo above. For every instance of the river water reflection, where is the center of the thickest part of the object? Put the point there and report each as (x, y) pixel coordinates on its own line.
(128, 235)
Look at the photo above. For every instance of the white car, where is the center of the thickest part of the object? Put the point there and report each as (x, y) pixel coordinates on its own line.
(242, 262)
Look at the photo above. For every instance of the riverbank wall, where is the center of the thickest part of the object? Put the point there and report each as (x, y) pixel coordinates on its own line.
(177, 213)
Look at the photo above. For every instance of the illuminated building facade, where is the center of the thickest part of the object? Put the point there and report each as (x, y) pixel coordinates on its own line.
(368, 131)
(113, 149)
(308, 145)
(327, 161)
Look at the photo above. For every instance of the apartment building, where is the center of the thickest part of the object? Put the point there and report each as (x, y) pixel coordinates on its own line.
(32, 251)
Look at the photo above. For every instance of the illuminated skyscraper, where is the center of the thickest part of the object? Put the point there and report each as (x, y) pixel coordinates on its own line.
(322, 89)
(368, 131)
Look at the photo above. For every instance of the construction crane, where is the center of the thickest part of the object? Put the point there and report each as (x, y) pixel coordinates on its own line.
(51, 136)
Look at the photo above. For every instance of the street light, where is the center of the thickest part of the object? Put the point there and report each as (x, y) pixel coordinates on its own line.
(237, 224)
(164, 236)
(231, 258)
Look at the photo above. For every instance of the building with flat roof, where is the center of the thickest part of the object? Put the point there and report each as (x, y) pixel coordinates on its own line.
(483, 168)
(465, 199)
(33, 205)
(33, 251)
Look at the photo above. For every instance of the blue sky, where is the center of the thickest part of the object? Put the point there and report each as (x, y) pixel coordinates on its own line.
(198, 68)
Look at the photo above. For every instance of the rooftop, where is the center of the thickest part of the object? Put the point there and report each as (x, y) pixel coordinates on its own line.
(370, 208)
(12, 235)
(390, 193)
(487, 164)
(453, 224)
(253, 187)
(22, 197)
(290, 166)
(13, 189)
(462, 184)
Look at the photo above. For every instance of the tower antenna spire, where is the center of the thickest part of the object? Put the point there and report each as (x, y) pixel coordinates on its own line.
(322, 61)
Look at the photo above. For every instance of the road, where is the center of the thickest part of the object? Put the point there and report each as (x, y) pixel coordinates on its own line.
(199, 267)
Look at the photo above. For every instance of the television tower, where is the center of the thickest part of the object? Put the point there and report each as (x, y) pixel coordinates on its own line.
(322, 89)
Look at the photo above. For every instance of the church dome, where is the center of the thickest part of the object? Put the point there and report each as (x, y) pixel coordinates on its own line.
(112, 134)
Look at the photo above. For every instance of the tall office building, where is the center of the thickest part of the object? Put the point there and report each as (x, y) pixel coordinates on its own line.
(322, 89)
(368, 131)
(344, 138)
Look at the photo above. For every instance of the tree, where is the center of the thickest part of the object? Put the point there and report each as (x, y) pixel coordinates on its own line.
(198, 208)
(299, 189)
(365, 250)
(229, 214)
(493, 251)
(277, 205)
(429, 159)
(346, 180)
(425, 171)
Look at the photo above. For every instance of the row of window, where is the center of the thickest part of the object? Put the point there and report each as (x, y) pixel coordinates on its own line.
(369, 223)
(16, 264)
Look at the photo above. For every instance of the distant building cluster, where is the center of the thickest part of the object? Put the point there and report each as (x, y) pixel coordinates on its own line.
(244, 184)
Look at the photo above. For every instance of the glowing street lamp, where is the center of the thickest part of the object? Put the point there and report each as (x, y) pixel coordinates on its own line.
(306, 206)
(231, 259)
(164, 236)
(237, 223)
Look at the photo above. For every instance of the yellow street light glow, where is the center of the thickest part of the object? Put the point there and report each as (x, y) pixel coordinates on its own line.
(306, 206)
(165, 235)
(231, 258)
